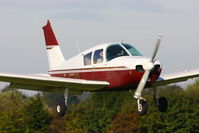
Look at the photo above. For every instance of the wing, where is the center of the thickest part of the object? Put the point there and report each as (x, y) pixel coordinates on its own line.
(50, 84)
(176, 77)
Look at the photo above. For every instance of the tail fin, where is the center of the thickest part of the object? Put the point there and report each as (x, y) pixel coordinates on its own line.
(55, 56)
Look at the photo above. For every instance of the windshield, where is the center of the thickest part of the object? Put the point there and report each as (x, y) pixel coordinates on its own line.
(132, 50)
(114, 51)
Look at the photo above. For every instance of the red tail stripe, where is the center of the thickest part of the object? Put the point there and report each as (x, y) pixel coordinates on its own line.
(49, 35)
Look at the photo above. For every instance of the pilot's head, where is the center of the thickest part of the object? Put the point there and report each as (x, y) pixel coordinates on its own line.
(101, 53)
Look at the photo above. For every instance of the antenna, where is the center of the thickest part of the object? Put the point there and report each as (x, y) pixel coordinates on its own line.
(77, 46)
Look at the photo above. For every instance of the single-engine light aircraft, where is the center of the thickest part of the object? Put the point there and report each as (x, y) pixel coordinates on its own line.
(106, 67)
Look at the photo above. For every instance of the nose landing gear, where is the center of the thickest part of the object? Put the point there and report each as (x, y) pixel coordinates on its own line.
(160, 102)
(142, 106)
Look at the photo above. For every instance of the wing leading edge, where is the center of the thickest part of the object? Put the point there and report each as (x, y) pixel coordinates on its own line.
(47, 83)
(176, 77)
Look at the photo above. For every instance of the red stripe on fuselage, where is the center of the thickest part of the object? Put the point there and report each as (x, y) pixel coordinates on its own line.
(118, 79)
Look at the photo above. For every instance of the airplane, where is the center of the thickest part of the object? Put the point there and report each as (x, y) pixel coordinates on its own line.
(106, 67)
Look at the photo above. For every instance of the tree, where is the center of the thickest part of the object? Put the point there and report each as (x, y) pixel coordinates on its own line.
(22, 114)
(11, 112)
(180, 117)
(127, 120)
(95, 114)
(37, 117)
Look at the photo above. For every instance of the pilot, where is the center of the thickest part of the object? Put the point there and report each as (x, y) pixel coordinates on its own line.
(100, 59)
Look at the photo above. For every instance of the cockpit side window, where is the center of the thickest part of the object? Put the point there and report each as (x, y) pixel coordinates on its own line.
(98, 56)
(114, 51)
(87, 59)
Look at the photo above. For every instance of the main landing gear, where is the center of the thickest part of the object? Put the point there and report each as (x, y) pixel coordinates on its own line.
(61, 107)
(160, 102)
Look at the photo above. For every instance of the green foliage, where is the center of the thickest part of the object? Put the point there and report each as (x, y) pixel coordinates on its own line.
(102, 112)
(95, 114)
(11, 108)
(19, 114)
(192, 90)
(36, 117)
(180, 117)
(116, 112)
(127, 120)
(56, 125)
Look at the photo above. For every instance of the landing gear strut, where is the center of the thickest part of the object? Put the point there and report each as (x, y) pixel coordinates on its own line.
(61, 107)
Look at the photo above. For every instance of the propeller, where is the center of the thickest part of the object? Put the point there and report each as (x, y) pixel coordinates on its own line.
(147, 67)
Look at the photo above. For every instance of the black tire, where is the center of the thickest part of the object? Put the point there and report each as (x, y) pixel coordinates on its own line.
(61, 109)
(162, 104)
(142, 107)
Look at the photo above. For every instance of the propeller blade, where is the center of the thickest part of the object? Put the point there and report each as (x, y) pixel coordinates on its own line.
(148, 68)
(142, 84)
(156, 48)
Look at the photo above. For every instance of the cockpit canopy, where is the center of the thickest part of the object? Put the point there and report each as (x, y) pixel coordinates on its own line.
(117, 50)
(108, 53)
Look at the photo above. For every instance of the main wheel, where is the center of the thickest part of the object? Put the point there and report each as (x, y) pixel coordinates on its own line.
(74, 100)
(61, 108)
(142, 107)
(162, 104)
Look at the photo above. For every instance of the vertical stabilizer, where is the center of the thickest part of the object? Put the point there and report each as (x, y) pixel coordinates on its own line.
(55, 56)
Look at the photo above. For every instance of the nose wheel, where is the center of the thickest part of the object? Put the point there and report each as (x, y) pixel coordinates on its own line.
(142, 106)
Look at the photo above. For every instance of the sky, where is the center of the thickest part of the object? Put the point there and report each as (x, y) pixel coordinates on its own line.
(91, 22)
